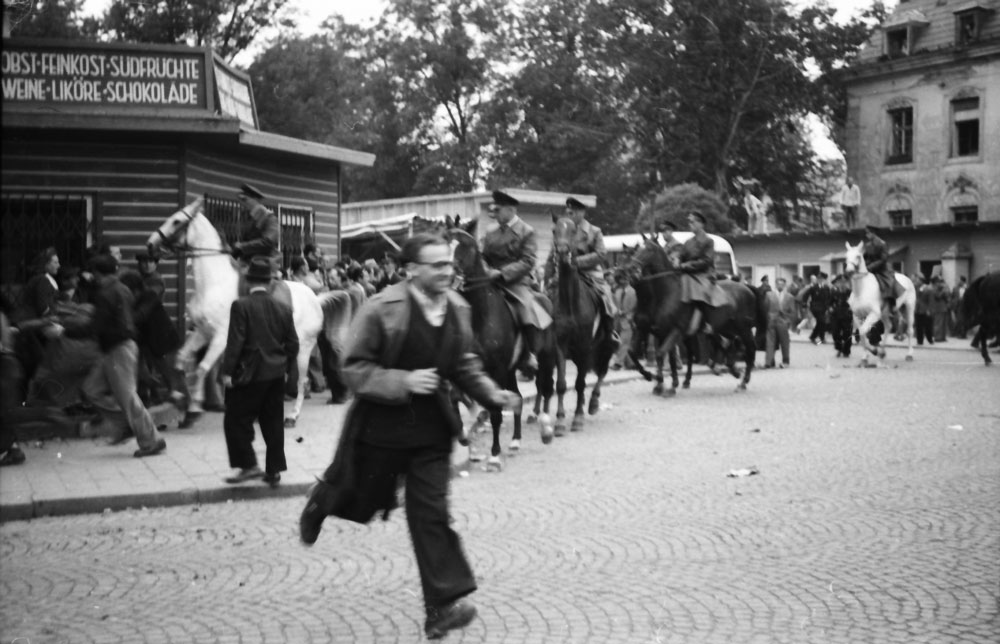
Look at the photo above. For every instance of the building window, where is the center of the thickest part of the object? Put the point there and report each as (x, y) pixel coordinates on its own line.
(965, 127)
(967, 27)
(965, 214)
(296, 229)
(897, 42)
(225, 215)
(901, 142)
(31, 223)
(900, 218)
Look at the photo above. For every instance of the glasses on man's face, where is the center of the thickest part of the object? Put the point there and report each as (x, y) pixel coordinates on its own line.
(438, 266)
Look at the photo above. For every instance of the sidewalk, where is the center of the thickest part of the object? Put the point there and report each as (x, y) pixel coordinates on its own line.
(86, 475)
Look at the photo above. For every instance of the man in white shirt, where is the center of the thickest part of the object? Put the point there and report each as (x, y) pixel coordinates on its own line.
(850, 200)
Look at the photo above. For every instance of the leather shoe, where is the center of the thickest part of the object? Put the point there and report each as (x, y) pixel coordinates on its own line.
(272, 478)
(245, 474)
(319, 503)
(455, 615)
(152, 450)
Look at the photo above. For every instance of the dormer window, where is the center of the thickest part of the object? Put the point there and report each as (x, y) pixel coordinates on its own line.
(897, 42)
(967, 27)
(901, 31)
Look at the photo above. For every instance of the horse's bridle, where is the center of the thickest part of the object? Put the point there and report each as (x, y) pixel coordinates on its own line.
(175, 247)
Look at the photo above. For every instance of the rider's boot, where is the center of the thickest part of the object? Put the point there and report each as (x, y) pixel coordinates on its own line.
(529, 361)
(616, 340)
(696, 317)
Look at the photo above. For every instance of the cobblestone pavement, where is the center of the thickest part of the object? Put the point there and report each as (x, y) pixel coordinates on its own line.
(873, 519)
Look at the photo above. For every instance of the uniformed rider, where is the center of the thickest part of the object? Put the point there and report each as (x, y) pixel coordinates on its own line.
(876, 255)
(260, 234)
(510, 250)
(671, 246)
(697, 265)
(589, 255)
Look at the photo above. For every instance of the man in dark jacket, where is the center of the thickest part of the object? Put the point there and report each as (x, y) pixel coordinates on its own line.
(405, 346)
(818, 296)
(876, 255)
(117, 370)
(42, 291)
(261, 232)
(261, 350)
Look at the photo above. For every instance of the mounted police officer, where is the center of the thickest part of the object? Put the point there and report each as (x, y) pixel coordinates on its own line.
(260, 234)
(589, 255)
(876, 255)
(510, 250)
(697, 263)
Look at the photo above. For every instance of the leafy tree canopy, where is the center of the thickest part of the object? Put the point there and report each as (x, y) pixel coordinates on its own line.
(675, 202)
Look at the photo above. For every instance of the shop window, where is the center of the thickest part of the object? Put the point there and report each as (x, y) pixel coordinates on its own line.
(965, 127)
(901, 135)
(30, 223)
(967, 24)
(897, 42)
(900, 218)
(965, 214)
(296, 229)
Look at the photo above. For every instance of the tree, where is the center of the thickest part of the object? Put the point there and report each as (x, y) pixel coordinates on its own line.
(229, 26)
(446, 52)
(674, 203)
(717, 87)
(49, 19)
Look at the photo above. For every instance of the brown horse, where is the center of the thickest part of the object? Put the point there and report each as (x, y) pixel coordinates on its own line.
(580, 333)
(981, 305)
(732, 325)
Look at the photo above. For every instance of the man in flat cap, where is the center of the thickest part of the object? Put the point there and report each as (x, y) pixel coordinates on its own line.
(260, 234)
(589, 254)
(510, 250)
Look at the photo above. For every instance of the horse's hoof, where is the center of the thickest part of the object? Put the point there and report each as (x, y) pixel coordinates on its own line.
(648, 377)
(577, 424)
(686, 385)
(741, 388)
(289, 423)
(559, 431)
(530, 419)
(594, 406)
(189, 420)
(546, 428)
(494, 464)
(668, 393)
(515, 445)
(909, 358)
(475, 458)
(658, 390)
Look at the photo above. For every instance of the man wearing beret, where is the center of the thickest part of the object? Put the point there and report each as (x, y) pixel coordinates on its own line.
(509, 250)
(588, 253)
(260, 235)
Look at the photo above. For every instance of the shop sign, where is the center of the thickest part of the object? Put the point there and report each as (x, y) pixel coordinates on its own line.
(103, 77)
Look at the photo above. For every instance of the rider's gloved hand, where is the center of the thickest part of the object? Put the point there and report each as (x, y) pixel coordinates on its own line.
(236, 251)
(494, 275)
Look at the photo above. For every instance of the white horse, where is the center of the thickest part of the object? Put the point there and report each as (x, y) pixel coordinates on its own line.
(867, 306)
(216, 284)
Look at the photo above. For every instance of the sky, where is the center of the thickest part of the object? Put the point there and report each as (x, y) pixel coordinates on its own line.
(310, 14)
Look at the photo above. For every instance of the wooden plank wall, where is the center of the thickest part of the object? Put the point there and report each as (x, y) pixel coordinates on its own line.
(134, 187)
(303, 184)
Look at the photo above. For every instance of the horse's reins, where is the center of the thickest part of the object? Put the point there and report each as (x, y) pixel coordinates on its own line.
(175, 248)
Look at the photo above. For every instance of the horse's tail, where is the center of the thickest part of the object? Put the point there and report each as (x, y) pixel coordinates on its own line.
(338, 309)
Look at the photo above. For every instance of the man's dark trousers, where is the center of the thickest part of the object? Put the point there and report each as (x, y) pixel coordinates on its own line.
(262, 401)
(445, 574)
(819, 331)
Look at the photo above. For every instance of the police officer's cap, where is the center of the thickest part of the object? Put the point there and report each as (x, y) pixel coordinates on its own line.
(501, 198)
(664, 224)
(247, 190)
(574, 203)
(875, 230)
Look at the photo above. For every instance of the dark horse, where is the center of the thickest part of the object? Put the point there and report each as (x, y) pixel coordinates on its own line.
(981, 305)
(669, 317)
(499, 344)
(580, 334)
